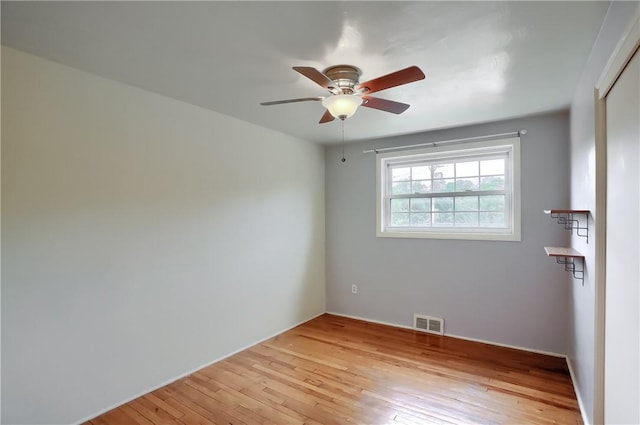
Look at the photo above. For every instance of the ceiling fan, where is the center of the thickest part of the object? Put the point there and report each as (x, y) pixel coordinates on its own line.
(346, 93)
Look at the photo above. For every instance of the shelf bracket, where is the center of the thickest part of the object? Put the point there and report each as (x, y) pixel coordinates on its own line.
(570, 266)
(568, 219)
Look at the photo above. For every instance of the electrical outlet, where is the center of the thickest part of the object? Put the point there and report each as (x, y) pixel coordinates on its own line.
(354, 289)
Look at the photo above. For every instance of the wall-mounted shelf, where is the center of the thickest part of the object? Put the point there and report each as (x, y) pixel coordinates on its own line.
(570, 219)
(570, 258)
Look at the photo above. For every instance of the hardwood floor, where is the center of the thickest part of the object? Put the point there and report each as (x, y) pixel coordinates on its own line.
(334, 370)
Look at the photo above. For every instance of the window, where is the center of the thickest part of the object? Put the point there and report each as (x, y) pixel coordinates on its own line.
(463, 191)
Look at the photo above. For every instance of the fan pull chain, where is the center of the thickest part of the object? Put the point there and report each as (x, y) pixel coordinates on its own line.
(343, 159)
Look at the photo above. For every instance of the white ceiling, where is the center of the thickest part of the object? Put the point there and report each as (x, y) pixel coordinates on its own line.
(483, 61)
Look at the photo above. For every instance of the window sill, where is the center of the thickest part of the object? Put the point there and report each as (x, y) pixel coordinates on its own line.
(474, 236)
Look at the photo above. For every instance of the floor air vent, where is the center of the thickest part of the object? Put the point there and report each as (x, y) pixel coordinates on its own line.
(429, 324)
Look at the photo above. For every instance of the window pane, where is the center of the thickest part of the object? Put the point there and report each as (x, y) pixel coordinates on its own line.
(399, 219)
(466, 219)
(442, 204)
(492, 203)
(420, 219)
(444, 185)
(443, 219)
(466, 169)
(421, 173)
(469, 183)
(399, 205)
(492, 183)
(466, 203)
(400, 174)
(492, 219)
(442, 171)
(420, 205)
(400, 188)
(491, 166)
(421, 186)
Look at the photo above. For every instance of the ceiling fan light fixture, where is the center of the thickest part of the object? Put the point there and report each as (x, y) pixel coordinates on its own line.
(346, 93)
(342, 105)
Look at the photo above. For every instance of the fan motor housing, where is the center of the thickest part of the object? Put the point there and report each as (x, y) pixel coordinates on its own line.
(346, 77)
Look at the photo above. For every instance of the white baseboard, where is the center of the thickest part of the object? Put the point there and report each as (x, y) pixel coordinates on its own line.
(170, 381)
(515, 347)
(395, 325)
(577, 391)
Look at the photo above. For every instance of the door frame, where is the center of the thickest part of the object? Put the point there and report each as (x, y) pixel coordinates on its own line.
(624, 51)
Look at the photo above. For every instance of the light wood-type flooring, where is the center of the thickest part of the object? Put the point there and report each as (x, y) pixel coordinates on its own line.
(334, 370)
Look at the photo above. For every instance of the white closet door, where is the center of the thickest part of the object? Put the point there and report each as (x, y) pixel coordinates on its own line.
(622, 321)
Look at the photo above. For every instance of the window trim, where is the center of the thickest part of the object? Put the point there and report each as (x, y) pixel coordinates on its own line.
(510, 145)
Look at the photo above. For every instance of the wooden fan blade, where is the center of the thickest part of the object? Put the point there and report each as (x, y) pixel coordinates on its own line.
(384, 105)
(398, 78)
(327, 117)
(301, 99)
(314, 75)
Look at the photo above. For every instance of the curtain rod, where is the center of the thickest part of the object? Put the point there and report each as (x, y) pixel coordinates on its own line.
(441, 142)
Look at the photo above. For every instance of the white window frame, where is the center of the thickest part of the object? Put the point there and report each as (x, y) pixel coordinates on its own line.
(510, 147)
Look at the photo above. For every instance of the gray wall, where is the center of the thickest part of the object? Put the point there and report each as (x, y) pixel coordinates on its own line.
(581, 306)
(142, 238)
(503, 292)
